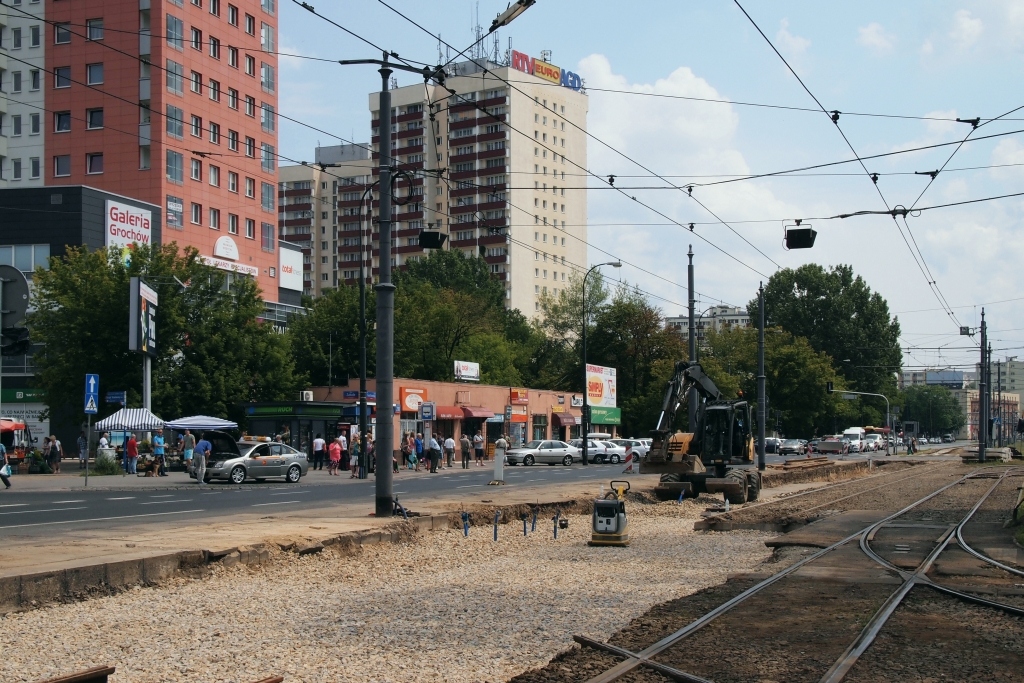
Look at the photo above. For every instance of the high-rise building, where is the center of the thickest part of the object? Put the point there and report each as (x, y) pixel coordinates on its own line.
(170, 102)
(716, 318)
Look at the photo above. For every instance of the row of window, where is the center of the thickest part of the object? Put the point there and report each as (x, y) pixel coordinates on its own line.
(176, 85)
(18, 81)
(538, 237)
(175, 221)
(176, 174)
(175, 120)
(17, 39)
(18, 169)
(176, 40)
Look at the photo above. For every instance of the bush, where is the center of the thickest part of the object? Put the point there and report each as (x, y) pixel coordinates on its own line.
(104, 465)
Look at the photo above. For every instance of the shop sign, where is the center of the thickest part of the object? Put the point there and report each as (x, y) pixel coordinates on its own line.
(410, 398)
(370, 395)
(557, 409)
(466, 371)
(605, 416)
(225, 247)
(561, 400)
(549, 72)
(128, 224)
(251, 271)
(601, 386)
(22, 396)
(577, 401)
(519, 396)
(496, 418)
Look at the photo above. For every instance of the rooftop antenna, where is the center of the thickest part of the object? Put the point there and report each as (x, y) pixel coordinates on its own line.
(497, 48)
(440, 54)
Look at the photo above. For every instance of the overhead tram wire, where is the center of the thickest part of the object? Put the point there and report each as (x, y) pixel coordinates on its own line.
(933, 285)
(511, 85)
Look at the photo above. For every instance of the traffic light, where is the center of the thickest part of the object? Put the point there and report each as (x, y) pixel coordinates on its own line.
(16, 341)
(432, 239)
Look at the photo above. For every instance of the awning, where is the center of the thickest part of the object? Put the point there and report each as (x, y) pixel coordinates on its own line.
(447, 413)
(130, 420)
(566, 419)
(200, 422)
(476, 412)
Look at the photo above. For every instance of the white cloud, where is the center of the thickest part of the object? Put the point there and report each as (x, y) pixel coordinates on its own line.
(286, 58)
(790, 44)
(875, 38)
(966, 30)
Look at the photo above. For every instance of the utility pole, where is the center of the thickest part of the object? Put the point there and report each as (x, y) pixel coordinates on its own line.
(991, 394)
(999, 401)
(385, 312)
(982, 393)
(691, 395)
(760, 378)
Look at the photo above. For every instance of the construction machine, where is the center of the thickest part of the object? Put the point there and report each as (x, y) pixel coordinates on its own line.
(716, 458)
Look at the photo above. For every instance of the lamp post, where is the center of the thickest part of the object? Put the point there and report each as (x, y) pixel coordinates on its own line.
(586, 395)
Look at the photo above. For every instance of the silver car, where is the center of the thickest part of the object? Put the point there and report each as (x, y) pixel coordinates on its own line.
(237, 461)
(639, 447)
(547, 452)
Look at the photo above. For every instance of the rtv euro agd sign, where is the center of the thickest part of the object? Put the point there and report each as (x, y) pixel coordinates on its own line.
(126, 225)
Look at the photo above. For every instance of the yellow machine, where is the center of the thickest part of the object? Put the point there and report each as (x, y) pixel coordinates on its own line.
(610, 525)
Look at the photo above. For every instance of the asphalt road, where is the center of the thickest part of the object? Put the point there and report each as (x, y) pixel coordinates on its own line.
(39, 513)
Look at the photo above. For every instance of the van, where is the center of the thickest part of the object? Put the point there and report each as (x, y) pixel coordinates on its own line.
(856, 436)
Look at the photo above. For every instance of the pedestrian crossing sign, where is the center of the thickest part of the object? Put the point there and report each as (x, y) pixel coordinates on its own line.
(90, 406)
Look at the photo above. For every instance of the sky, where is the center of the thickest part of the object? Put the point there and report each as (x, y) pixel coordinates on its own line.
(931, 61)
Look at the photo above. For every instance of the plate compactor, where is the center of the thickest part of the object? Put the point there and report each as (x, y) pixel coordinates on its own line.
(610, 526)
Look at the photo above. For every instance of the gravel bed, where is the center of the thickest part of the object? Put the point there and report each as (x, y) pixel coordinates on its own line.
(439, 608)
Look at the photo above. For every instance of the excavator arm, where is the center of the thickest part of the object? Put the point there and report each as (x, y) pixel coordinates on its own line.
(687, 375)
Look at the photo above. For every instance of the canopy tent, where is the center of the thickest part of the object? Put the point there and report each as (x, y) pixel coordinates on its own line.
(130, 420)
(200, 422)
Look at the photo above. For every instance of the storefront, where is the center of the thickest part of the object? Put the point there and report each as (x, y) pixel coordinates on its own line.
(298, 422)
(564, 426)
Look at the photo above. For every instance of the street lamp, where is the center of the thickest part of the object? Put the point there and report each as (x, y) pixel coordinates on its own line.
(586, 404)
(511, 13)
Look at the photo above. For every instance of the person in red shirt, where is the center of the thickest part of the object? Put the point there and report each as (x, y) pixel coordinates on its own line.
(132, 450)
(334, 452)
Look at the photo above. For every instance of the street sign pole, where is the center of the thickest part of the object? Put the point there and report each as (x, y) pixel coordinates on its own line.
(92, 399)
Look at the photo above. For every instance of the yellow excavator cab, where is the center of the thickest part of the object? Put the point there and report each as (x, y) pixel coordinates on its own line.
(679, 444)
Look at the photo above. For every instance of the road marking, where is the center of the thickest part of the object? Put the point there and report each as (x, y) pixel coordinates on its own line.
(21, 512)
(534, 480)
(123, 498)
(13, 505)
(288, 493)
(100, 519)
(279, 502)
(161, 502)
(64, 502)
(166, 495)
(470, 486)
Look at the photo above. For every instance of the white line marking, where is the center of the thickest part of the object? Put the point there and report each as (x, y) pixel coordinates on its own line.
(62, 502)
(288, 493)
(161, 502)
(166, 495)
(13, 505)
(280, 502)
(21, 512)
(101, 519)
(123, 498)
(470, 486)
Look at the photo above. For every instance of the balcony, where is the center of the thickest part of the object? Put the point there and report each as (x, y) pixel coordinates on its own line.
(144, 134)
(144, 43)
(144, 89)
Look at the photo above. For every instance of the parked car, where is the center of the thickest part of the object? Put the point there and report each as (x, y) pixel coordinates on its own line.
(597, 450)
(874, 442)
(771, 444)
(613, 452)
(792, 446)
(236, 461)
(639, 448)
(947, 438)
(546, 452)
(812, 445)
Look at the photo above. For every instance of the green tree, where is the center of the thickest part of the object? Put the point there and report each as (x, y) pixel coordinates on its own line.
(935, 408)
(213, 352)
(326, 339)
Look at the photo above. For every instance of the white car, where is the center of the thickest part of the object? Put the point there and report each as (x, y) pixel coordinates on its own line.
(597, 451)
(873, 442)
(613, 452)
(639, 447)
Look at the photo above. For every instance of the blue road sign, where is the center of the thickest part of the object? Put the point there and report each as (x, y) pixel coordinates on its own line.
(92, 394)
(116, 397)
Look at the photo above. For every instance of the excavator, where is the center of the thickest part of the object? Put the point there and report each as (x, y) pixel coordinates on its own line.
(718, 457)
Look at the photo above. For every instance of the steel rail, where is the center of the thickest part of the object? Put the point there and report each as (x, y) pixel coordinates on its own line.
(668, 641)
(663, 669)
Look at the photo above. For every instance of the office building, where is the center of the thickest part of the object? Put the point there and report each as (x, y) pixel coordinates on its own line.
(716, 318)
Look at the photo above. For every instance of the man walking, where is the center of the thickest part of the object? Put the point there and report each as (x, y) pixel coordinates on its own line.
(158, 452)
(466, 446)
(478, 447)
(201, 452)
(188, 448)
(435, 454)
(83, 450)
(319, 452)
(449, 451)
(343, 440)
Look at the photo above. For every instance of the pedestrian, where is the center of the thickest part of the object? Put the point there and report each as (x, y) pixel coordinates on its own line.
(449, 451)
(83, 450)
(46, 449)
(344, 449)
(419, 451)
(353, 459)
(56, 454)
(199, 456)
(435, 455)
(5, 467)
(104, 440)
(319, 451)
(466, 446)
(188, 448)
(131, 452)
(478, 447)
(158, 452)
(334, 454)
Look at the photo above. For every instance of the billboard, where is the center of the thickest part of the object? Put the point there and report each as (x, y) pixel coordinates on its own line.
(142, 305)
(127, 225)
(519, 397)
(466, 371)
(410, 399)
(601, 390)
(291, 270)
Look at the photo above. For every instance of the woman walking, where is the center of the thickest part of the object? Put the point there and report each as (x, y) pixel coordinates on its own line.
(56, 453)
(334, 453)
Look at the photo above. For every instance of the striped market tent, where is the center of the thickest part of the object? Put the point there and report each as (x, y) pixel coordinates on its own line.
(130, 420)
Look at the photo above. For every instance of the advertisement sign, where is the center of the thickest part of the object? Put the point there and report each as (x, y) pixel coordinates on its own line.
(348, 394)
(291, 269)
(508, 413)
(410, 399)
(225, 247)
(175, 213)
(577, 401)
(127, 225)
(466, 371)
(251, 271)
(518, 396)
(32, 415)
(601, 386)
(605, 416)
(142, 318)
(549, 72)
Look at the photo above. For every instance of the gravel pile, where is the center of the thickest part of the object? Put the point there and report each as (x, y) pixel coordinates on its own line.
(440, 608)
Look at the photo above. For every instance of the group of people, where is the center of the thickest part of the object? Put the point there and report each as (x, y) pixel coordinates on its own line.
(338, 452)
(418, 452)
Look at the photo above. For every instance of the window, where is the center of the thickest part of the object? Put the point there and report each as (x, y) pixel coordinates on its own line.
(175, 122)
(214, 48)
(215, 175)
(250, 147)
(175, 32)
(267, 157)
(250, 24)
(267, 117)
(250, 228)
(61, 34)
(197, 126)
(16, 81)
(232, 15)
(35, 36)
(175, 77)
(232, 182)
(250, 188)
(197, 83)
(215, 7)
(197, 170)
(232, 98)
(94, 29)
(62, 165)
(15, 169)
(267, 5)
(233, 57)
(16, 38)
(267, 37)
(215, 219)
(34, 124)
(233, 223)
(250, 65)
(34, 167)
(198, 3)
(94, 163)
(61, 121)
(175, 167)
(267, 77)
(16, 125)
(233, 140)
(267, 196)
(197, 39)
(197, 213)
(215, 90)
(215, 133)
(93, 118)
(267, 236)
(250, 106)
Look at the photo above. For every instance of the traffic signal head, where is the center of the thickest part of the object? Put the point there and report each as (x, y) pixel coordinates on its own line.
(432, 239)
(800, 238)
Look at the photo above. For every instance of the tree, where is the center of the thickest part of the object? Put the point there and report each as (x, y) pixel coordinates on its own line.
(213, 352)
(935, 408)
(839, 315)
(326, 339)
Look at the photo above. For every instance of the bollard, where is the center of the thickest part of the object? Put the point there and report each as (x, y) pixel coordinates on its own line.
(558, 513)
(465, 524)
(523, 516)
(536, 510)
(497, 516)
